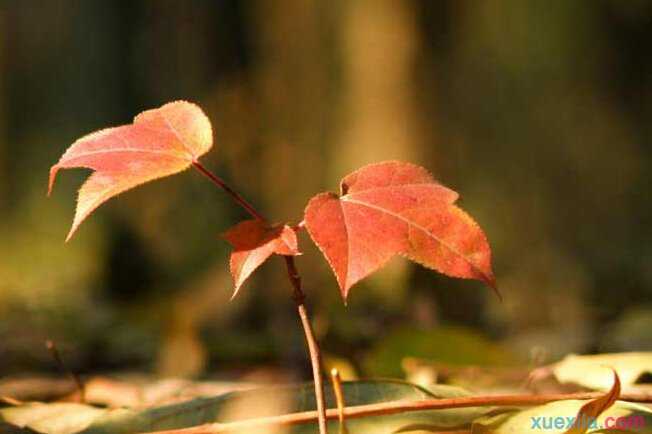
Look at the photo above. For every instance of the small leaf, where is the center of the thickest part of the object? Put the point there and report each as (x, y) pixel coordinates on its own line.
(253, 243)
(394, 208)
(160, 142)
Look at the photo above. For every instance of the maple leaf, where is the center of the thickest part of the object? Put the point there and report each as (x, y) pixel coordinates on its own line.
(392, 208)
(159, 143)
(253, 243)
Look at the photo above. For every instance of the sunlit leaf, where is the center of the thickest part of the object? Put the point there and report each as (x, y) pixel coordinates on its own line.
(593, 371)
(160, 142)
(394, 208)
(253, 243)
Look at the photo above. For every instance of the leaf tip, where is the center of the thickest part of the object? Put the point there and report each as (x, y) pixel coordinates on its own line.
(73, 229)
(616, 387)
(70, 234)
(235, 292)
(344, 291)
(491, 282)
(53, 175)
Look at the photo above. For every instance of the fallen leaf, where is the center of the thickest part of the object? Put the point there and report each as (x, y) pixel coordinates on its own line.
(55, 418)
(68, 418)
(554, 418)
(36, 388)
(589, 370)
(602, 415)
(394, 208)
(253, 243)
(159, 143)
(594, 408)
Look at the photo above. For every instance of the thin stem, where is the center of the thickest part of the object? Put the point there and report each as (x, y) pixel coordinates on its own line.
(11, 401)
(297, 295)
(79, 384)
(237, 198)
(336, 380)
(394, 407)
(313, 345)
(299, 226)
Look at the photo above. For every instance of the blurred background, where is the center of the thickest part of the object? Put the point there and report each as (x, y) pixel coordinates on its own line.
(538, 113)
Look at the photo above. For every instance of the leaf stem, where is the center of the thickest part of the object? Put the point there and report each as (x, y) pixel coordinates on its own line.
(299, 226)
(297, 294)
(313, 345)
(336, 380)
(395, 407)
(79, 384)
(237, 198)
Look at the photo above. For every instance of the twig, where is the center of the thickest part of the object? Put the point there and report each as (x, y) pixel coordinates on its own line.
(81, 389)
(297, 295)
(234, 195)
(313, 345)
(11, 401)
(339, 395)
(336, 380)
(394, 407)
(299, 226)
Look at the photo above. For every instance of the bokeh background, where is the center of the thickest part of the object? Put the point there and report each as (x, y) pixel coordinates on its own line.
(538, 113)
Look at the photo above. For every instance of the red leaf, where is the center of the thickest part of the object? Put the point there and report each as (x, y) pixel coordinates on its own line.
(253, 243)
(396, 208)
(160, 142)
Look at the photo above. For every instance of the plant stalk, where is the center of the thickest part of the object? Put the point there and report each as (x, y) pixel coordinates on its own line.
(313, 345)
(237, 198)
(79, 384)
(297, 294)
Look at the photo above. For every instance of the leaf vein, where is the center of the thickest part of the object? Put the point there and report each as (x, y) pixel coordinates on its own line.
(419, 227)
